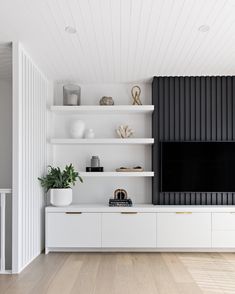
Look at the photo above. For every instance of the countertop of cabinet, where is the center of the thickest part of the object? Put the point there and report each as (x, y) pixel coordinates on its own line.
(142, 208)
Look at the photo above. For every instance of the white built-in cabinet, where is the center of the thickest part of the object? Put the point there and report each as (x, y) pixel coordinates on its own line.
(90, 224)
(73, 229)
(223, 229)
(129, 230)
(183, 230)
(143, 227)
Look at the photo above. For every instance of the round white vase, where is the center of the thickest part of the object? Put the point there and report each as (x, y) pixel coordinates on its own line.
(77, 129)
(61, 197)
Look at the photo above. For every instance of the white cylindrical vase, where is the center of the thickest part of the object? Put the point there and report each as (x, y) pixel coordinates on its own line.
(77, 129)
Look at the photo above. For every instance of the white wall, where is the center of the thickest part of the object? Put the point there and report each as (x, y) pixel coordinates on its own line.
(6, 157)
(30, 93)
(99, 190)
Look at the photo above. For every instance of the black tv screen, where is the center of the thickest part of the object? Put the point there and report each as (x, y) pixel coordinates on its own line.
(197, 167)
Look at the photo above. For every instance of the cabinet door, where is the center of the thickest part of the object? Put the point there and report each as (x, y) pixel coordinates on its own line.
(73, 230)
(129, 230)
(224, 221)
(183, 230)
(223, 230)
(223, 239)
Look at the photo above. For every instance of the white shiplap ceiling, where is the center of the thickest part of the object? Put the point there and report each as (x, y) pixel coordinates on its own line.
(123, 40)
(5, 61)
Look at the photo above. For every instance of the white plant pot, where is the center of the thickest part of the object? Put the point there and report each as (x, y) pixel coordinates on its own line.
(61, 197)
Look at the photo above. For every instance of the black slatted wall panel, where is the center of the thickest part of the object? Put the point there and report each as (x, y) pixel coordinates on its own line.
(192, 109)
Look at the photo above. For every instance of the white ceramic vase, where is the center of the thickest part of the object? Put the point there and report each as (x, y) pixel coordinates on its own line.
(61, 197)
(77, 129)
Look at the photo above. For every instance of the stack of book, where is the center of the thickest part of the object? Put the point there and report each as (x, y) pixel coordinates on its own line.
(120, 202)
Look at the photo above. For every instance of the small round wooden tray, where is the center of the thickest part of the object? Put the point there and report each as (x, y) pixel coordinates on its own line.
(129, 169)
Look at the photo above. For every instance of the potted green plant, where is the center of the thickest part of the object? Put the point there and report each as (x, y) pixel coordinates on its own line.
(59, 183)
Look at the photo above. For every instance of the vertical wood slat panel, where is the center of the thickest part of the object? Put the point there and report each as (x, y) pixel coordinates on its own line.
(208, 125)
(198, 108)
(32, 161)
(187, 109)
(233, 107)
(218, 109)
(182, 108)
(171, 117)
(166, 123)
(229, 108)
(213, 110)
(202, 110)
(194, 109)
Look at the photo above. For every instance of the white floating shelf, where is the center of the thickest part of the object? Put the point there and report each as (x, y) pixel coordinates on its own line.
(114, 109)
(130, 141)
(116, 174)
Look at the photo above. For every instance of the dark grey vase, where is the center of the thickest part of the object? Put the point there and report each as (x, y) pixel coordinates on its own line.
(95, 161)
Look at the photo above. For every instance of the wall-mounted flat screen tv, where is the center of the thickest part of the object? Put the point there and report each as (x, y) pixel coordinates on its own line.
(197, 166)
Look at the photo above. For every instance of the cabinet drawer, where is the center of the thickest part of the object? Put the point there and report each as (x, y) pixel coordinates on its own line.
(223, 221)
(223, 239)
(129, 230)
(183, 230)
(73, 230)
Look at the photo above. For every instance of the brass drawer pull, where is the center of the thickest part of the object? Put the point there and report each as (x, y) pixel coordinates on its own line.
(129, 212)
(73, 212)
(183, 212)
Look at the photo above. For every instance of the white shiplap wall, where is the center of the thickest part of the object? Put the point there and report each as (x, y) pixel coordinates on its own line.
(30, 93)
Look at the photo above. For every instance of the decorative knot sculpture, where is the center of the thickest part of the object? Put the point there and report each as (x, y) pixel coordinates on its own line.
(135, 92)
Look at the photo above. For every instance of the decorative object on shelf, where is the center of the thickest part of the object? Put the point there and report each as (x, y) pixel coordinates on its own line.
(59, 183)
(77, 129)
(120, 203)
(94, 169)
(129, 169)
(71, 95)
(124, 131)
(95, 165)
(120, 194)
(95, 161)
(120, 198)
(135, 92)
(106, 101)
(89, 134)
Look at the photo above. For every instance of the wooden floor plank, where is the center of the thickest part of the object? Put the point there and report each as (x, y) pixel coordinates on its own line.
(125, 273)
(164, 280)
(177, 268)
(66, 277)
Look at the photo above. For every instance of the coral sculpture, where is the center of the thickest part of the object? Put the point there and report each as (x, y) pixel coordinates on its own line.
(124, 131)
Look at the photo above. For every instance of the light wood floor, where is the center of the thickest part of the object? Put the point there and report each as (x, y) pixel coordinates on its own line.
(125, 273)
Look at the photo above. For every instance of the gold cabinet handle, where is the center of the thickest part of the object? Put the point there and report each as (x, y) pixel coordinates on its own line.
(129, 212)
(73, 212)
(183, 212)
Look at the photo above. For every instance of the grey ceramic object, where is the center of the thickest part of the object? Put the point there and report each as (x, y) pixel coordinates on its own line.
(95, 161)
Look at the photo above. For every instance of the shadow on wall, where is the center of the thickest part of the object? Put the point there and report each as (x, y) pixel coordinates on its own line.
(6, 157)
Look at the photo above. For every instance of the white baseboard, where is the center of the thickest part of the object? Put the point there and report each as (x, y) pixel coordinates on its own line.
(6, 272)
(99, 250)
